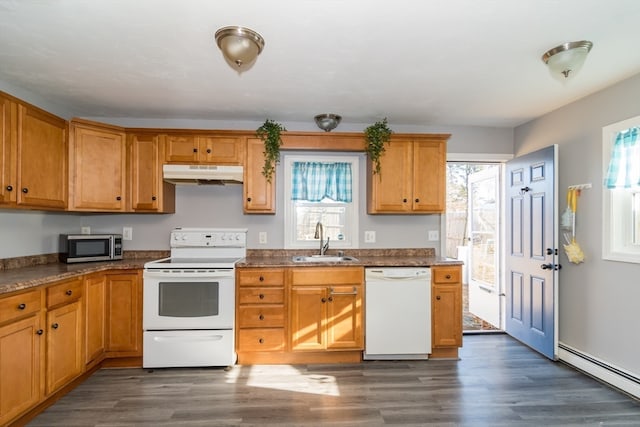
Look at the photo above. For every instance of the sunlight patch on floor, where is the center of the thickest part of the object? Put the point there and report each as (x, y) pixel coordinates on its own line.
(285, 378)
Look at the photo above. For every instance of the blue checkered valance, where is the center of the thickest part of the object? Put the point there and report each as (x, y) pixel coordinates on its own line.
(624, 167)
(313, 181)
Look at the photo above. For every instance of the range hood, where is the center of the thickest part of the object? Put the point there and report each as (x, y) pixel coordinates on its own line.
(202, 174)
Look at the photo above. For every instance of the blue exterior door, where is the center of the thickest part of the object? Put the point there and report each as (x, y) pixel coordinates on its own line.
(532, 251)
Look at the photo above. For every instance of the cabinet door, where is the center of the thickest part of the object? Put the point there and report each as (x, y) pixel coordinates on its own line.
(42, 159)
(64, 345)
(181, 149)
(308, 313)
(124, 314)
(220, 150)
(390, 190)
(149, 193)
(344, 318)
(447, 315)
(429, 174)
(21, 366)
(99, 168)
(95, 308)
(8, 150)
(259, 194)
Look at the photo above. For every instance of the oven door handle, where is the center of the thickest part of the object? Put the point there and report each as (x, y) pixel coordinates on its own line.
(199, 274)
(188, 338)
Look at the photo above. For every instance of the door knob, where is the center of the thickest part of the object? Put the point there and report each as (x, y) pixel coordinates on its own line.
(547, 266)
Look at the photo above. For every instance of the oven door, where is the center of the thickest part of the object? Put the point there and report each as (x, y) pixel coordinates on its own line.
(188, 299)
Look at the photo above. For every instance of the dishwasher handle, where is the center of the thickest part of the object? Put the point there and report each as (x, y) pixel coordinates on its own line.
(392, 274)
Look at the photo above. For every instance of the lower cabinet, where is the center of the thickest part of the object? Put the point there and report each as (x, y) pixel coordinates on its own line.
(446, 309)
(21, 354)
(124, 314)
(95, 318)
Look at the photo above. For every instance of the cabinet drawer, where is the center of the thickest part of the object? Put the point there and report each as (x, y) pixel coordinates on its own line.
(17, 306)
(64, 292)
(261, 339)
(331, 275)
(446, 275)
(261, 277)
(261, 316)
(261, 296)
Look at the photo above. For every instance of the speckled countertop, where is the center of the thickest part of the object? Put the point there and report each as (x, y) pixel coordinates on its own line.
(22, 273)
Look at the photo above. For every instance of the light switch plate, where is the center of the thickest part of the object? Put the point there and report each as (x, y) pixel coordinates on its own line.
(369, 236)
(85, 230)
(262, 237)
(434, 235)
(127, 233)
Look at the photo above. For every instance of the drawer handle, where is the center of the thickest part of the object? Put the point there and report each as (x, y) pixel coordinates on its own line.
(355, 292)
(69, 292)
(323, 300)
(9, 188)
(39, 332)
(154, 198)
(22, 306)
(417, 200)
(261, 278)
(25, 190)
(208, 150)
(261, 340)
(261, 317)
(438, 297)
(55, 326)
(261, 296)
(448, 276)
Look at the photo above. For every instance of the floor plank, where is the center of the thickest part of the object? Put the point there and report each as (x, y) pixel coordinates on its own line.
(497, 382)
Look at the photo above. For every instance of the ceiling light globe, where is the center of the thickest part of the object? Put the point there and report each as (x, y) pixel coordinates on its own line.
(566, 60)
(240, 46)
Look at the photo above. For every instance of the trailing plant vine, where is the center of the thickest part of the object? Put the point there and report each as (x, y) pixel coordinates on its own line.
(376, 136)
(269, 132)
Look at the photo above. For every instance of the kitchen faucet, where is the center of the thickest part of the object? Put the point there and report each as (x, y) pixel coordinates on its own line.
(320, 235)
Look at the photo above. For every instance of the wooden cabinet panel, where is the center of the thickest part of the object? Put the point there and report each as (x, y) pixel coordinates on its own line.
(344, 317)
(16, 306)
(64, 345)
(260, 277)
(392, 186)
(8, 150)
(446, 306)
(429, 176)
(64, 292)
(149, 193)
(261, 296)
(124, 314)
(221, 150)
(181, 149)
(98, 167)
(308, 314)
(269, 339)
(95, 318)
(261, 316)
(42, 159)
(21, 363)
(259, 194)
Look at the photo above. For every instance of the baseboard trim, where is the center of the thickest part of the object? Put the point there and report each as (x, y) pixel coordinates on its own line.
(601, 370)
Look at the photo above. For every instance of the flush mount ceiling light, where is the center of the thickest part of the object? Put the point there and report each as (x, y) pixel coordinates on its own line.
(240, 46)
(565, 61)
(327, 122)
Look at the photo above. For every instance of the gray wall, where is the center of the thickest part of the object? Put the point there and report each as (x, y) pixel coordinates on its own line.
(598, 299)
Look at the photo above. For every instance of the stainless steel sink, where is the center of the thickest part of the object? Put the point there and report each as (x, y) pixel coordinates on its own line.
(323, 258)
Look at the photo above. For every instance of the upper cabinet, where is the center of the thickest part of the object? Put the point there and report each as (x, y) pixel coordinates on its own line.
(204, 148)
(8, 147)
(412, 176)
(98, 167)
(149, 193)
(42, 179)
(259, 194)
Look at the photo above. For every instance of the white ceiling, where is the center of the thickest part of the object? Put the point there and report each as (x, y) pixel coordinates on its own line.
(430, 62)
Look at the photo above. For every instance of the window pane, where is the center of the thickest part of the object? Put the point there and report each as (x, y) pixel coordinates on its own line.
(635, 215)
(332, 217)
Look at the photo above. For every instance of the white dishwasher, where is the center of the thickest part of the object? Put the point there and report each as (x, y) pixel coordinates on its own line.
(397, 313)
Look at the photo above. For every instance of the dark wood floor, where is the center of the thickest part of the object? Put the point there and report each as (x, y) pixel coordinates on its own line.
(498, 382)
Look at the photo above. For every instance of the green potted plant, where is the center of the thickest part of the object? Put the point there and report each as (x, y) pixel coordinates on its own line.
(376, 136)
(269, 132)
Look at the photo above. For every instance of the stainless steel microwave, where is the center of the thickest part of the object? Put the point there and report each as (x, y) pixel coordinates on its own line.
(90, 247)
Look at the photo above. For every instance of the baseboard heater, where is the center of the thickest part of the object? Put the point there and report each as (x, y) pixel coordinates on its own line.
(601, 370)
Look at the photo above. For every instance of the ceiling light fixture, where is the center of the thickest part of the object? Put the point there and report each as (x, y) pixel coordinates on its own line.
(327, 122)
(567, 59)
(240, 46)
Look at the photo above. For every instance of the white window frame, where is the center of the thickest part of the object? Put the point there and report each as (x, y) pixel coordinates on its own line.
(617, 215)
(351, 228)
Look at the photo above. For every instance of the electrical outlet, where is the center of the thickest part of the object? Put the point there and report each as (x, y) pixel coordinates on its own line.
(369, 236)
(85, 230)
(262, 237)
(434, 235)
(127, 233)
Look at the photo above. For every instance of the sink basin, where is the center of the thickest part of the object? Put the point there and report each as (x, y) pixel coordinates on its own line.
(323, 258)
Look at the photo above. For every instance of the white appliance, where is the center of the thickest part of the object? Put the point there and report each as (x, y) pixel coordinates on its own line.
(398, 313)
(202, 174)
(188, 311)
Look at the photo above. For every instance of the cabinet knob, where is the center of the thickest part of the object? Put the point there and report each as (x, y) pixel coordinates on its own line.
(208, 150)
(195, 150)
(448, 276)
(330, 299)
(22, 306)
(261, 296)
(438, 297)
(9, 188)
(69, 292)
(417, 200)
(261, 317)
(154, 198)
(261, 278)
(55, 326)
(404, 200)
(25, 190)
(261, 340)
(39, 332)
(248, 199)
(323, 300)
(118, 198)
